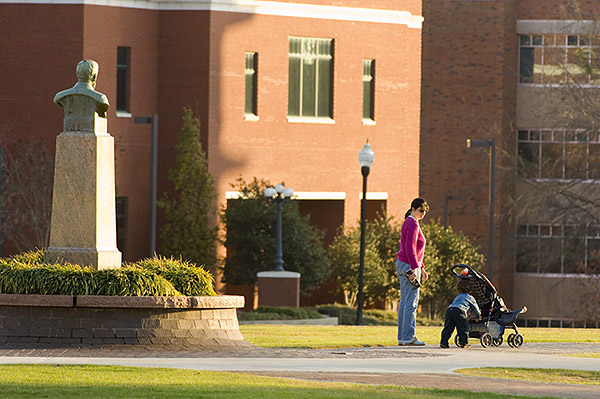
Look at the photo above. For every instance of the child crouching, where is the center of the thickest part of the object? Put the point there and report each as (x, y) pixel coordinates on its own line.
(456, 316)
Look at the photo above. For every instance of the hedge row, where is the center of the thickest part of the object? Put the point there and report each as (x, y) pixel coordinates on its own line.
(158, 276)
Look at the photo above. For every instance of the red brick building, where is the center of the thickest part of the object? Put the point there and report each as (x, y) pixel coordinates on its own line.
(286, 91)
(488, 70)
(494, 70)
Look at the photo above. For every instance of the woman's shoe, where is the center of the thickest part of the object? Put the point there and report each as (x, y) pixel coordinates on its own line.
(412, 342)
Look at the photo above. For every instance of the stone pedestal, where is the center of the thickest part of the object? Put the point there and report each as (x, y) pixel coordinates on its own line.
(83, 225)
(278, 288)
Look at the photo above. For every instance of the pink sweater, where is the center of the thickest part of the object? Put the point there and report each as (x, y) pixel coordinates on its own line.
(412, 243)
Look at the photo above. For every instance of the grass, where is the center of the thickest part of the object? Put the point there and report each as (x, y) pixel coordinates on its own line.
(99, 382)
(309, 336)
(538, 375)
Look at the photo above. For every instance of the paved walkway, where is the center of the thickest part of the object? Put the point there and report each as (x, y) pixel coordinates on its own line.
(427, 366)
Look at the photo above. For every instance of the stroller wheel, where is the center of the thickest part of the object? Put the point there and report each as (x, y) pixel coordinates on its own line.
(497, 341)
(511, 340)
(518, 340)
(486, 340)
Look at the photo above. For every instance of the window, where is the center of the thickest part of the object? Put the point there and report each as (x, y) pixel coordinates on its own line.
(123, 67)
(368, 90)
(559, 154)
(558, 59)
(562, 249)
(121, 211)
(310, 78)
(251, 85)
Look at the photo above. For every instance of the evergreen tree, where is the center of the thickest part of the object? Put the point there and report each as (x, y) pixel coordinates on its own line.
(187, 232)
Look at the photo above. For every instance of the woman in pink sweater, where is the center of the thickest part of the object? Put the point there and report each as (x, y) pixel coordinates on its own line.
(409, 266)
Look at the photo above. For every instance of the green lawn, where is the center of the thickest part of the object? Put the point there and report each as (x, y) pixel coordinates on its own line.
(111, 382)
(538, 375)
(310, 336)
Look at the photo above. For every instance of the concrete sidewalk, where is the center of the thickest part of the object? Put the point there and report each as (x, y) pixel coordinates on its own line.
(428, 359)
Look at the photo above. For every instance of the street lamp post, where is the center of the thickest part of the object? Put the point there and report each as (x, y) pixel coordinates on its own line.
(365, 158)
(491, 144)
(278, 195)
(153, 120)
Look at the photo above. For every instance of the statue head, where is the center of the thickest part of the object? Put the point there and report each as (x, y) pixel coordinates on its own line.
(87, 71)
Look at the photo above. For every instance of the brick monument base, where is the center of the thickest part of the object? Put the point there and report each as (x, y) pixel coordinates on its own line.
(100, 321)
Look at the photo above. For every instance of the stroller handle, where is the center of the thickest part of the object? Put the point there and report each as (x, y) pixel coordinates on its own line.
(458, 269)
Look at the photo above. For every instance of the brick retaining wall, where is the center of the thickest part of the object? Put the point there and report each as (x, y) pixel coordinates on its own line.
(63, 320)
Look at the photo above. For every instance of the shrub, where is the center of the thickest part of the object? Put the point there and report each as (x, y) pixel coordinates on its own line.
(250, 223)
(280, 313)
(131, 282)
(347, 315)
(187, 278)
(27, 274)
(381, 243)
(445, 248)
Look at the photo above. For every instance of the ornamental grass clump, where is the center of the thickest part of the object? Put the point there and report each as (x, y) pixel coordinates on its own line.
(189, 279)
(130, 282)
(27, 274)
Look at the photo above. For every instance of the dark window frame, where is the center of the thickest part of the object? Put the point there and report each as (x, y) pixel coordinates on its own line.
(123, 79)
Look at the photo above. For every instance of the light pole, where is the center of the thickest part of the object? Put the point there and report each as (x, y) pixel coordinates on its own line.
(365, 158)
(278, 195)
(153, 120)
(491, 144)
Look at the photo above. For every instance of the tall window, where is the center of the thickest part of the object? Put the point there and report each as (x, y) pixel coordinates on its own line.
(368, 90)
(559, 154)
(123, 67)
(557, 59)
(310, 77)
(251, 84)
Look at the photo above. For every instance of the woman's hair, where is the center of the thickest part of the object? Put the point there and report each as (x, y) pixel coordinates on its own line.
(464, 286)
(416, 204)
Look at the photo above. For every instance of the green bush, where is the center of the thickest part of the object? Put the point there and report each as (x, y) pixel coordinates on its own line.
(250, 222)
(27, 274)
(187, 278)
(371, 317)
(280, 313)
(381, 244)
(347, 315)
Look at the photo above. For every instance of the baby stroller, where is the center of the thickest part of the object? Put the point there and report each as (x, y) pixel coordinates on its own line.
(495, 317)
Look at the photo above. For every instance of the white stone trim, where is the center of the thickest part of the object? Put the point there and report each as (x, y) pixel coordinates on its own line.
(303, 195)
(374, 196)
(275, 8)
(277, 274)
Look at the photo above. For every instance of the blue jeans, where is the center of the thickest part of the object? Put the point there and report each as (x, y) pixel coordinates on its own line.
(407, 306)
(455, 318)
